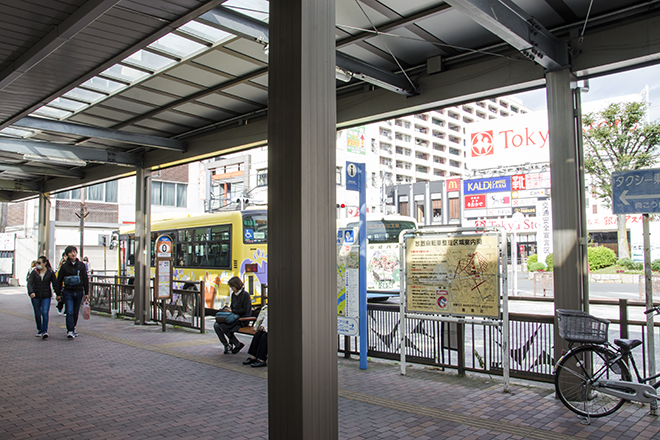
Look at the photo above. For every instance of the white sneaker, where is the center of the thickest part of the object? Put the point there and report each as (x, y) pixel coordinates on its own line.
(70, 335)
(59, 312)
(38, 335)
(44, 335)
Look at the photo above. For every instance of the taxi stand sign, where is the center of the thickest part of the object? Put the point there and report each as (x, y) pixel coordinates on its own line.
(638, 192)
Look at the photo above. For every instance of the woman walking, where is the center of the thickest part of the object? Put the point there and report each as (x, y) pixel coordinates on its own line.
(40, 281)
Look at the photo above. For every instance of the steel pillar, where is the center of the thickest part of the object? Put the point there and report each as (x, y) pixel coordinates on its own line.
(571, 288)
(142, 245)
(302, 358)
(44, 226)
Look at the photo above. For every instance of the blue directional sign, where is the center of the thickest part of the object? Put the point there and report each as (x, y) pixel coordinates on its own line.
(636, 192)
(347, 326)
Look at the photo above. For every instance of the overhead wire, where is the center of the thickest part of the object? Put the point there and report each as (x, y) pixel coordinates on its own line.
(422, 40)
(396, 60)
(586, 20)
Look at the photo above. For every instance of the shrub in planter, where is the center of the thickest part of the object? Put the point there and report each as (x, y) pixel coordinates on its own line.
(531, 260)
(549, 262)
(535, 267)
(655, 265)
(628, 263)
(600, 257)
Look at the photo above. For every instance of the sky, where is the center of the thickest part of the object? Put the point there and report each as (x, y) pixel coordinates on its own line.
(611, 86)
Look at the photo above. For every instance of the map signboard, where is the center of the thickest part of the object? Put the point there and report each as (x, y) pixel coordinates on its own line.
(453, 274)
(348, 306)
(636, 192)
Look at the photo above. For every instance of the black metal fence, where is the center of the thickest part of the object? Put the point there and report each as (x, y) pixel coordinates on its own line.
(478, 347)
(460, 346)
(186, 308)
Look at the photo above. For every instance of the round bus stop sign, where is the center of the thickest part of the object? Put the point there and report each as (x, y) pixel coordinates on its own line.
(164, 247)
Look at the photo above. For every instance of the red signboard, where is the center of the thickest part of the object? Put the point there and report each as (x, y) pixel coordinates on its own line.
(475, 201)
(518, 182)
(453, 185)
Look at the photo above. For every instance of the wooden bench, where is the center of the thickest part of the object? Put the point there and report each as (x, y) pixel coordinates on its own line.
(247, 326)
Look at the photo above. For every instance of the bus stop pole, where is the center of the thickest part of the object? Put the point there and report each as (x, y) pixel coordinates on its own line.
(364, 328)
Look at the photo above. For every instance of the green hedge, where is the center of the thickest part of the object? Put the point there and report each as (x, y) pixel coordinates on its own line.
(600, 257)
(629, 264)
(535, 267)
(549, 262)
(531, 260)
(655, 265)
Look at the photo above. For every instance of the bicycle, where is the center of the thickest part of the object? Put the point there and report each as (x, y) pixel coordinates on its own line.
(593, 380)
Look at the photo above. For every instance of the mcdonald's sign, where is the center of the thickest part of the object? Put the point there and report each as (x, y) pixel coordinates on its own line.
(453, 185)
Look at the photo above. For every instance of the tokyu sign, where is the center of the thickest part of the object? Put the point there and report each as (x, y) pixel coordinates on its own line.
(509, 141)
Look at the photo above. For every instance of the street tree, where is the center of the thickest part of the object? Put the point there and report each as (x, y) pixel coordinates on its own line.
(618, 138)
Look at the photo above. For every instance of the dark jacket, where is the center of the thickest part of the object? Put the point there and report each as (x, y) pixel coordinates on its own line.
(69, 269)
(241, 305)
(41, 287)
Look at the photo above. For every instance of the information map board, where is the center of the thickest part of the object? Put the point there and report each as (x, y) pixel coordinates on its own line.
(453, 274)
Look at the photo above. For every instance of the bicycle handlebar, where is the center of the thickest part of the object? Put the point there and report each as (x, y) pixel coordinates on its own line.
(655, 309)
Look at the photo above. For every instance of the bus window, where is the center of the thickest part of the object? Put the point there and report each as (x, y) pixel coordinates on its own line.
(184, 248)
(384, 231)
(255, 228)
(210, 247)
(219, 246)
(200, 250)
(131, 250)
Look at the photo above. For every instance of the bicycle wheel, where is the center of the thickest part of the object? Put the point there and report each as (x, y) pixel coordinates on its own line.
(574, 380)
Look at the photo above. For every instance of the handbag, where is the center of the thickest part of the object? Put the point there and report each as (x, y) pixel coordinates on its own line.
(86, 311)
(224, 317)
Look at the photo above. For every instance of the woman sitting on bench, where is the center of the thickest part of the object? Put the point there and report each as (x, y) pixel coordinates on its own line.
(241, 305)
(259, 346)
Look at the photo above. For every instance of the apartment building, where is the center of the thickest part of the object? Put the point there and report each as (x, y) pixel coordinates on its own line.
(424, 147)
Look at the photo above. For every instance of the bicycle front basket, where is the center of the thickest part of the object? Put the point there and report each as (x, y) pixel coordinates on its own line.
(578, 326)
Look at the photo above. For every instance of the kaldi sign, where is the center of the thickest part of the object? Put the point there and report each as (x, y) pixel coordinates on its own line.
(509, 141)
(492, 184)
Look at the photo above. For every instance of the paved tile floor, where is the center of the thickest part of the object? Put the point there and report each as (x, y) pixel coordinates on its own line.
(121, 381)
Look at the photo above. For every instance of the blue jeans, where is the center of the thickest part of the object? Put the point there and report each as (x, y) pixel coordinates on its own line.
(41, 308)
(72, 302)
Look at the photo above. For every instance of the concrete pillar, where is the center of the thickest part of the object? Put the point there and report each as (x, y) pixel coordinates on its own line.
(142, 245)
(44, 227)
(567, 175)
(302, 358)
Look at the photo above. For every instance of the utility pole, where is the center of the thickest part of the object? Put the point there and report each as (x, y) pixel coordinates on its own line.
(83, 214)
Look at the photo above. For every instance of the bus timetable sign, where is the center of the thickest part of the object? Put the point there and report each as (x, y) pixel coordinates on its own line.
(636, 192)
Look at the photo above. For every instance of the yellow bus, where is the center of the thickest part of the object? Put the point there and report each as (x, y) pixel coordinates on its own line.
(212, 248)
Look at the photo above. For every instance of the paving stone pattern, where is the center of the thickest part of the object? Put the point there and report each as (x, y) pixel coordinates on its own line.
(122, 381)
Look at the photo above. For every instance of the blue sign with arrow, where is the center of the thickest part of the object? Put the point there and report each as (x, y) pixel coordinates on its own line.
(636, 192)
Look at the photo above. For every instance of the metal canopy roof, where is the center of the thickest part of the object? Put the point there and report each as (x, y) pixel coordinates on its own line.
(91, 89)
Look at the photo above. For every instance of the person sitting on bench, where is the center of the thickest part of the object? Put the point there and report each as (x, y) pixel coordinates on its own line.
(240, 305)
(259, 346)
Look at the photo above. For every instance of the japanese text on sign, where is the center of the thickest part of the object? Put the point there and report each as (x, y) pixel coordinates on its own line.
(455, 275)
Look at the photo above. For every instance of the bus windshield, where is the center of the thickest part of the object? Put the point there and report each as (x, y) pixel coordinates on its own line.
(384, 231)
(255, 228)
